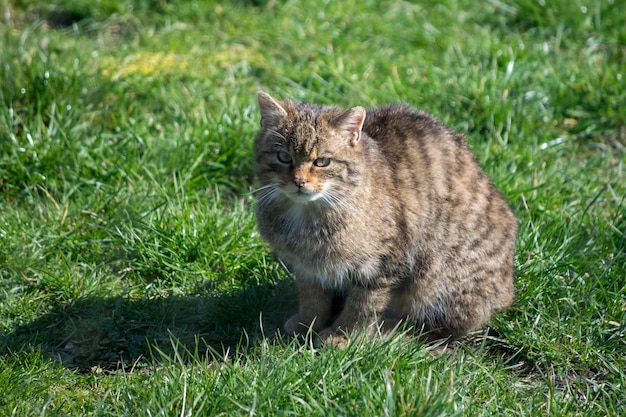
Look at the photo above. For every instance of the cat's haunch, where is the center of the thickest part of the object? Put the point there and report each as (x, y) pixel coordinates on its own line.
(385, 209)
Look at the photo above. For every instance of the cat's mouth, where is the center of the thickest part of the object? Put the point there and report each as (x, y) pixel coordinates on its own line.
(302, 195)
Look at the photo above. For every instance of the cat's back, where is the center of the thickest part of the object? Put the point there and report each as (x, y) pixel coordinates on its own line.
(398, 128)
(436, 176)
(423, 154)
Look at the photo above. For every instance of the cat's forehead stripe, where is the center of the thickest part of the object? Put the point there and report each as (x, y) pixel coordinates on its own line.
(304, 130)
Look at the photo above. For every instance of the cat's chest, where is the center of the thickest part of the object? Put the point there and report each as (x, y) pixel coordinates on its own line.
(303, 227)
(330, 248)
(298, 235)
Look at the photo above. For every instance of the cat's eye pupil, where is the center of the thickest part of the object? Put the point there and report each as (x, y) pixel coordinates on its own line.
(284, 157)
(321, 162)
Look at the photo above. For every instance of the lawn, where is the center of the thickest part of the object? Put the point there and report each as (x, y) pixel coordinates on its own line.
(133, 280)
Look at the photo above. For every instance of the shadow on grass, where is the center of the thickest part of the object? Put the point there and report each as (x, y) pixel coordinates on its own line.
(118, 332)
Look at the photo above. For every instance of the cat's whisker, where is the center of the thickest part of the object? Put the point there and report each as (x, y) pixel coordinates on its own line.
(334, 199)
(266, 196)
(277, 134)
(266, 193)
(263, 188)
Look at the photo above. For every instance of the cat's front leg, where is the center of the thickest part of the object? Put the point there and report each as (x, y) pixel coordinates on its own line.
(365, 310)
(314, 311)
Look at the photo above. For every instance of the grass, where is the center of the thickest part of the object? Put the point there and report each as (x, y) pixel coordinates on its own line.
(133, 281)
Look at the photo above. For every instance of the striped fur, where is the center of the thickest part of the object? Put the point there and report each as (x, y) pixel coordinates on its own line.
(402, 223)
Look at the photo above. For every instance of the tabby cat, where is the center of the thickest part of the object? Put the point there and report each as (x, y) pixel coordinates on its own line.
(384, 216)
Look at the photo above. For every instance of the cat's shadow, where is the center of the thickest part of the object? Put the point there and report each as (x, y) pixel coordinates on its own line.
(120, 332)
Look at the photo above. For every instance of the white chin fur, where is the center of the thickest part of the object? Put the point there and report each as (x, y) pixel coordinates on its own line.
(302, 196)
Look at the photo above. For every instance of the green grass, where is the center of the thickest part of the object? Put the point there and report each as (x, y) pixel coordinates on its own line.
(133, 281)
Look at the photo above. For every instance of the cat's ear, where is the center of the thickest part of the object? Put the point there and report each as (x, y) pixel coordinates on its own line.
(271, 110)
(350, 123)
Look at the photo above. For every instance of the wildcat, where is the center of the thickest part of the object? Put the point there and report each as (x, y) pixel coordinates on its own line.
(385, 210)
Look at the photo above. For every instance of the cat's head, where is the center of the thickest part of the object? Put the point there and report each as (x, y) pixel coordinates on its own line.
(307, 153)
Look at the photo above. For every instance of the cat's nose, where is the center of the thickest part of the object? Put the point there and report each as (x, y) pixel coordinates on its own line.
(299, 181)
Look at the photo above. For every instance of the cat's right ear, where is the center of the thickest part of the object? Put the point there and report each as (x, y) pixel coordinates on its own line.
(350, 123)
(271, 110)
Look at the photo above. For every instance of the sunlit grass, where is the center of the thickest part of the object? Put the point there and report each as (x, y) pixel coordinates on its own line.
(132, 278)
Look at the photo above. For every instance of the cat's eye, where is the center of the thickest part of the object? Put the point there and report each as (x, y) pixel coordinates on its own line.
(321, 162)
(284, 157)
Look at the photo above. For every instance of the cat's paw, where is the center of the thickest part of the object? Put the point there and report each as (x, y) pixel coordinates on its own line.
(331, 338)
(297, 326)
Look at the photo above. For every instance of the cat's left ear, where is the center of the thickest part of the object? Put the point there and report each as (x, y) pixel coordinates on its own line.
(350, 123)
(271, 110)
